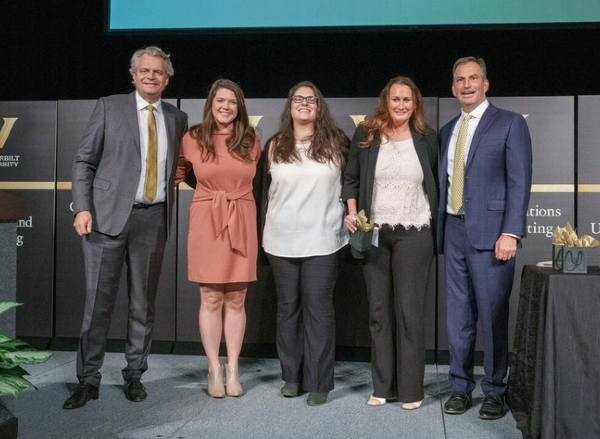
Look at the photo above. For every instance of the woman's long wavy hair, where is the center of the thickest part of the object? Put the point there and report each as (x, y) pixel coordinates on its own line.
(381, 122)
(242, 139)
(328, 143)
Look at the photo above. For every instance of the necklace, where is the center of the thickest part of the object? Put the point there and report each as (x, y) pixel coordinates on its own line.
(303, 140)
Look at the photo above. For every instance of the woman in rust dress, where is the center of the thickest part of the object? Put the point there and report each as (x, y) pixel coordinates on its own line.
(223, 152)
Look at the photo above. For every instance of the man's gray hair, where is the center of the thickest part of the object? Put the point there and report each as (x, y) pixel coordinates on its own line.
(467, 59)
(152, 51)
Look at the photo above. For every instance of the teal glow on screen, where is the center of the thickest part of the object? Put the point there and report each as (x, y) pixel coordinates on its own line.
(231, 14)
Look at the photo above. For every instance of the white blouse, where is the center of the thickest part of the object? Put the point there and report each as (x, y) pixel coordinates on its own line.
(305, 214)
(398, 194)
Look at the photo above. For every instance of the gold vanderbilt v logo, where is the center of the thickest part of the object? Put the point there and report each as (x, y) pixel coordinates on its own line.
(254, 120)
(357, 118)
(6, 128)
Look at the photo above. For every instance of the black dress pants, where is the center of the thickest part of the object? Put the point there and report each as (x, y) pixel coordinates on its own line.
(397, 274)
(306, 319)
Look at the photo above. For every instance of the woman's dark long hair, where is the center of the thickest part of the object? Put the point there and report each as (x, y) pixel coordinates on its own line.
(328, 142)
(382, 122)
(242, 139)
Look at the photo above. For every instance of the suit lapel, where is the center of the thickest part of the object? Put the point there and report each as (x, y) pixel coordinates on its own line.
(486, 120)
(170, 126)
(131, 115)
(373, 152)
(421, 152)
(446, 136)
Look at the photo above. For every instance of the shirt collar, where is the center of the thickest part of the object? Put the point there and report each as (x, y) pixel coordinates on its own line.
(141, 103)
(477, 112)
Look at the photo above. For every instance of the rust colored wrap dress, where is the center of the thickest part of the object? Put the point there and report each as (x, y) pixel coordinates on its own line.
(222, 237)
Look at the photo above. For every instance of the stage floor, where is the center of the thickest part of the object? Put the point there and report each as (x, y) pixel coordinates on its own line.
(178, 406)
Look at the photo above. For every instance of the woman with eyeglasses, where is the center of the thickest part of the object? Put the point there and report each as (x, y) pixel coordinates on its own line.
(392, 175)
(302, 237)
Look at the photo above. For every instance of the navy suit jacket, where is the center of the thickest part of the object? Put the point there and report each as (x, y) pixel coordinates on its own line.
(497, 178)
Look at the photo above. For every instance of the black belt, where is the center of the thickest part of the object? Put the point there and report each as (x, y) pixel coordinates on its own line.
(146, 206)
(460, 217)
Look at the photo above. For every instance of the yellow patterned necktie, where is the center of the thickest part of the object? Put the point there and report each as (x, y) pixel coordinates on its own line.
(458, 172)
(151, 158)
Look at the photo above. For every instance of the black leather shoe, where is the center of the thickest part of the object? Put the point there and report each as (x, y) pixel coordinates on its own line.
(290, 390)
(134, 390)
(493, 407)
(81, 395)
(316, 398)
(458, 403)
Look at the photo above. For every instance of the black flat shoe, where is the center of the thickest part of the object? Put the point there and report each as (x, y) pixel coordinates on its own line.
(458, 403)
(290, 390)
(81, 395)
(316, 398)
(493, 407)
(134, 390)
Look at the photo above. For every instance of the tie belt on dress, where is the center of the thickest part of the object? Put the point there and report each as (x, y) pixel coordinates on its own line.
(226, 214)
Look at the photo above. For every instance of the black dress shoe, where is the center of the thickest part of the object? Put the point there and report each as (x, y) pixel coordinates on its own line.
(134, 390)
(492, 408)
(458, 403)
(290, 390)
(316, 398)
(81, 395)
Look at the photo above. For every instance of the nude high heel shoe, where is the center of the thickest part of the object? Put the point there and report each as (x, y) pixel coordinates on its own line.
(215, 382)
(375, 401)
(411, 405)
(232, 381)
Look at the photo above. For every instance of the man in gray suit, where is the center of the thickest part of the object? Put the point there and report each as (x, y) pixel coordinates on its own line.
(123, 189)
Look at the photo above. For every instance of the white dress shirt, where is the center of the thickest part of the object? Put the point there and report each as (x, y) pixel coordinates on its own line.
(473, 123)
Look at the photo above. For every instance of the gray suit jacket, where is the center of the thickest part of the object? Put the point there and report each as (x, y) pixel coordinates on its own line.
(107, 166)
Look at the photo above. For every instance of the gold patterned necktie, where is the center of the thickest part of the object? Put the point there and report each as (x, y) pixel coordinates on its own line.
(151, 158)
(458, 172)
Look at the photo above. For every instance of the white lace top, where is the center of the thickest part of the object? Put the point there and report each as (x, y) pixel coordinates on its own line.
(305, 214)
(398, 194)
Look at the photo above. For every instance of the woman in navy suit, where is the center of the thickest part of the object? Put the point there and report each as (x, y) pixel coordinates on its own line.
(391, 175)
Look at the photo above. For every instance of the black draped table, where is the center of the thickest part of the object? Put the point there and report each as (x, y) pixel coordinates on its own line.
(554, 383)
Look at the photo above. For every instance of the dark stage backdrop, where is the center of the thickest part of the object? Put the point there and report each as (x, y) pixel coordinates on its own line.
(588, 176)
(39, 140)
(57, 54)
(59, 49)
(27, 155)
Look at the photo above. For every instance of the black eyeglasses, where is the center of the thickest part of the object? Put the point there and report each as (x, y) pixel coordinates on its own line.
(309, 99)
